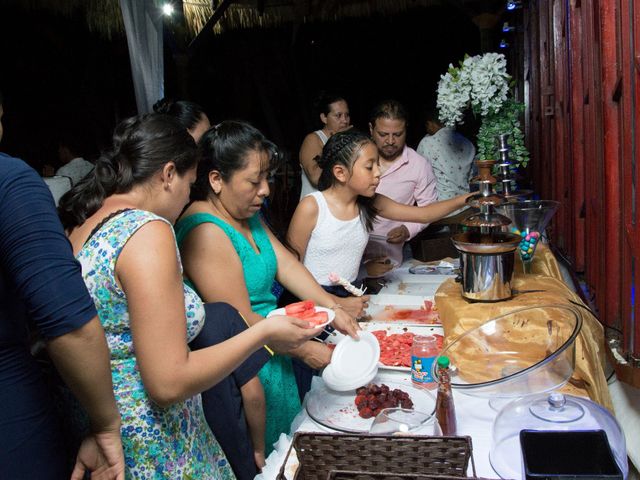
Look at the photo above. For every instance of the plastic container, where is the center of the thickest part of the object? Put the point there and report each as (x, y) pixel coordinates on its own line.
(554, 455)
(528, 350)
(556, 412)
(423, 353)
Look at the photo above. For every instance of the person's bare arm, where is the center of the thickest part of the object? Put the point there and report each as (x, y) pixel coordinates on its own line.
(299, 281)
(310, 149)
(302, 224)
(149, 272)
(82, 358)
(212, 264)
(254, 403)
(207, 249)
(387, 208)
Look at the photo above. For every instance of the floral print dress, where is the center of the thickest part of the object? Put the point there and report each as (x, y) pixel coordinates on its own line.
(159, 443)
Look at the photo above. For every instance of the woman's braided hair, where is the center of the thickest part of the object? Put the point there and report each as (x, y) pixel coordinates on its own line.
(343, 148)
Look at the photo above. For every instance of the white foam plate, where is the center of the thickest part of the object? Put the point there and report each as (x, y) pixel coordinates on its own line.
(345, 385)
(331, 313)
(354, 359)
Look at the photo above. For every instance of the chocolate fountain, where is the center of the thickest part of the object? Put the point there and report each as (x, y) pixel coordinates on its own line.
(507, 183)
(486, 251)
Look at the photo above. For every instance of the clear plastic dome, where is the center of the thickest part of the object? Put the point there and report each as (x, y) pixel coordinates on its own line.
(526, 351)
(544, 412)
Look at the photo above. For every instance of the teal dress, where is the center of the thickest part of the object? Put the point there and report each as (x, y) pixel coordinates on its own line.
(259, 269)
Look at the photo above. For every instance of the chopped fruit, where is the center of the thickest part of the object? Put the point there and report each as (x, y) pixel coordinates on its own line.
(361, 401)
(395, 349)
(306, 310)
(318, 318)
(294, 309)
(366, 412)
(370, 400)
(304, 314)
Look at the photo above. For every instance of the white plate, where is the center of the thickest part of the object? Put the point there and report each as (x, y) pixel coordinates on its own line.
(337, 410)
(331, 313)
(354, 359)
(345, 385)
(391, 329)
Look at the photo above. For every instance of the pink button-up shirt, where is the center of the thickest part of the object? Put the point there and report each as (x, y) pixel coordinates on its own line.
(410, 180)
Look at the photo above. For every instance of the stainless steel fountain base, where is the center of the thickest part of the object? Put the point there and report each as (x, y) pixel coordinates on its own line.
(486, 265)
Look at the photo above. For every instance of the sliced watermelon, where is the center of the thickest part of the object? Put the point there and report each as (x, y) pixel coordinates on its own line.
(318, 318)
(294, 309)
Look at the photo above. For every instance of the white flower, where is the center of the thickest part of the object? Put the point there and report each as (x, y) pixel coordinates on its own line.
(481, 82)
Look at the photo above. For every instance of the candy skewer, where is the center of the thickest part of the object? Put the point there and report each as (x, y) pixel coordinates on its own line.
(348, 286)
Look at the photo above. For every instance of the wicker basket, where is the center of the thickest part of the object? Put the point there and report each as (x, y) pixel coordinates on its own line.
(320, 453)
(358, 475)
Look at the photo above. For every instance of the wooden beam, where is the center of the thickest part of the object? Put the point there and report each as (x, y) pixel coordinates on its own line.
(208, 27)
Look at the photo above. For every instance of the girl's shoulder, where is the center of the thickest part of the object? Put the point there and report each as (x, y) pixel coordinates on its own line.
(310, 204)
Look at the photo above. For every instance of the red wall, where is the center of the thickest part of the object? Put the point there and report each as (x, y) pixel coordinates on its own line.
(583, 75)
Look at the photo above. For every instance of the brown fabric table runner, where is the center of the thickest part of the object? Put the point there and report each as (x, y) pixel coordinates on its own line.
(544, 263)
(458, 315)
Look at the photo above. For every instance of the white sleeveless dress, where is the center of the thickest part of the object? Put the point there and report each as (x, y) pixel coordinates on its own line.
(335, 245)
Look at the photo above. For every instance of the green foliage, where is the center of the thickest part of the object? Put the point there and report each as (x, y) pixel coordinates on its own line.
(507, 120)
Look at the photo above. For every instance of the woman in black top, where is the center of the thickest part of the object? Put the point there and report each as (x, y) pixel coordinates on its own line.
(40, 282)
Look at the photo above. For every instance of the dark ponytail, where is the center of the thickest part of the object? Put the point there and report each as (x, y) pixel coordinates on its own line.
(188, 113)
(142, 146)
(343, 148)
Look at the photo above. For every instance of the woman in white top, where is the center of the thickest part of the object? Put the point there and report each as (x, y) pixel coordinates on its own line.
(334, 115)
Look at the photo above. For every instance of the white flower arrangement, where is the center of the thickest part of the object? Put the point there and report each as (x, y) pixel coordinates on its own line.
(482, 84)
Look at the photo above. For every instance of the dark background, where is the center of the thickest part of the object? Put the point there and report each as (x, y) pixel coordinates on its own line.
(60, 80)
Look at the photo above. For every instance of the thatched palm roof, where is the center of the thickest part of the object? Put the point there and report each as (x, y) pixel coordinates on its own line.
(252, 13)
(104, 17)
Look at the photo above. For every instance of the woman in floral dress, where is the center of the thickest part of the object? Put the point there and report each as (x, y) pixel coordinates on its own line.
(119, 223)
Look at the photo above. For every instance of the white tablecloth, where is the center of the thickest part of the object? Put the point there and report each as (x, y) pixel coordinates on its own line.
(474, 415)
(474, 418)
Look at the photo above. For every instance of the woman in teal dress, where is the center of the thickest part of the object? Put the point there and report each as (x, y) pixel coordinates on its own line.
(222, 231)
(119, 222)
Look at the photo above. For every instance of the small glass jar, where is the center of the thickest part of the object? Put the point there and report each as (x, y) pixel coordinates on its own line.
(423, 353)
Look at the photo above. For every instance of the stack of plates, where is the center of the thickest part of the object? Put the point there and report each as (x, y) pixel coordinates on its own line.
(354, 363)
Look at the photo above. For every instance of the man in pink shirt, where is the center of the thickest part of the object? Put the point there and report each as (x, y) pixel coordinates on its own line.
(407, 178)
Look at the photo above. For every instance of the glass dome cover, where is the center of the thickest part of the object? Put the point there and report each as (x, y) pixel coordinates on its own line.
(524, 414)
(529, 350)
